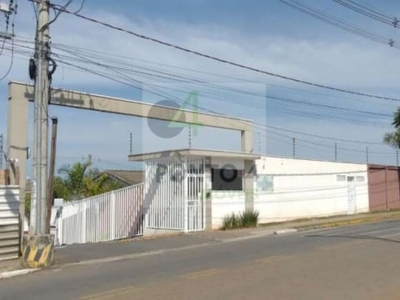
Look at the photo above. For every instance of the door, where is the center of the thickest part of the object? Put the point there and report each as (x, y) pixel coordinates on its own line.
(351, 195)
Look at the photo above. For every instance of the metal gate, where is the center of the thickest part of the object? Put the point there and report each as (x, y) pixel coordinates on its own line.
(195, 194)
(174, 197)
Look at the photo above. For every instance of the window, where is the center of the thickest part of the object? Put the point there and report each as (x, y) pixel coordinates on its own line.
(360, 178)
(341, 177)
(226, 180)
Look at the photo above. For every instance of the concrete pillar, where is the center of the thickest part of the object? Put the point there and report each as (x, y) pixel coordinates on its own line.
(247, 141)
(247, 146)
(17, 140)
(249, 184)
(208, 196)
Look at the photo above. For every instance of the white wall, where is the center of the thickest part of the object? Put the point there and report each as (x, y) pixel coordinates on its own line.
(225, 203)
(305, 189)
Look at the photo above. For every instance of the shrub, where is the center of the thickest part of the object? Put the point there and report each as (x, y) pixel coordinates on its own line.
(230, 222)
(243, 220)
(249, 219)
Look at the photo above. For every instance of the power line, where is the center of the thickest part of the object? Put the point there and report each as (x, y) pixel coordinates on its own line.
(259, 125)
(57, 7)
(347, 26)
(247, 102)
(13, 10)
(129, 83)
(369, 12)
(166, 75)
(107, 56)
(287, 111)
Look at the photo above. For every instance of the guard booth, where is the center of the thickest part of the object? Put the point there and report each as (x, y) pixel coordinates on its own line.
(191, 189)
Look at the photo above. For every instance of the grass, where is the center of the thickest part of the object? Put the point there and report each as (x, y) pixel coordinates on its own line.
(245, 219)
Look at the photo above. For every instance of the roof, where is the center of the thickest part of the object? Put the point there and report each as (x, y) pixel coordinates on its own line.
(194, 152)
(128, 177)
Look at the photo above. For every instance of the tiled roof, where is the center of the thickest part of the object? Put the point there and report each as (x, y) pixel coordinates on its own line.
(128, 177)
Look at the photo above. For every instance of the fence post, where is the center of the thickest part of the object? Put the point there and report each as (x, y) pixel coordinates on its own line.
(83, 225)
(113, 219)
(60, 230)
(185, 200)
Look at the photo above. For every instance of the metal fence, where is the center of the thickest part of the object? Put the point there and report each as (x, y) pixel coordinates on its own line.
(110, 216)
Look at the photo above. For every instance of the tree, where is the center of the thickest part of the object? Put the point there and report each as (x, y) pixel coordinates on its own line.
(80, 181)
(77, 182)
(393, 138)
(72, 185)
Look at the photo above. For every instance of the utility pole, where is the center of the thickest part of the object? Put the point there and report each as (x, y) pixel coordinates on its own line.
(335, 151)
(130, 143)
(294, 147)
(38, 241)
(366, 152)
(42, 87)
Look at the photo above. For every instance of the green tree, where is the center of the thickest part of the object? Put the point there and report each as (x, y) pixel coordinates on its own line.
(28, 206)
(76, 182)
(393, 138)
(82, 180)
(72, 183)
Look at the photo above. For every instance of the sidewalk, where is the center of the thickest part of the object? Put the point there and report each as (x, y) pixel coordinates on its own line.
(157, 244)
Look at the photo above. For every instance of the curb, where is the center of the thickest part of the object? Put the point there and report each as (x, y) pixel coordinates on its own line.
(284, 231)
(343, 223)
(10, 274)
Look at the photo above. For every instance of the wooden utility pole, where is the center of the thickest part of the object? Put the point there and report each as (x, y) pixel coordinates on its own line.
(51, 173)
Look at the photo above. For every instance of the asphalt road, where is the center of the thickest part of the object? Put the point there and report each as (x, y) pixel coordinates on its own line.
(353, 262)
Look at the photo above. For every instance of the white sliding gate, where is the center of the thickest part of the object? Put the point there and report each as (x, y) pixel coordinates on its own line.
(110, 216)
(174, 197)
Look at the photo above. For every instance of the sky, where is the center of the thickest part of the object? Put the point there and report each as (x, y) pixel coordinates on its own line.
(267, 35)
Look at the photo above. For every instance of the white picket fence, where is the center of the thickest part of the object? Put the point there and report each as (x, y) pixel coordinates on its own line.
(110, 216)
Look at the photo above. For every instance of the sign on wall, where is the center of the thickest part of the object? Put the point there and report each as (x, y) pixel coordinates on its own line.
(265, 183)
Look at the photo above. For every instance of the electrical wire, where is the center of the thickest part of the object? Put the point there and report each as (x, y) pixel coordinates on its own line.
(290, 130)
(111, 57)
(258, 125)
(127, 68)
(15, 11)
(369, 12)
(187, 50)
(347, 26)
(285, 111)
(136, 86)
(7, 26)
(57, 14)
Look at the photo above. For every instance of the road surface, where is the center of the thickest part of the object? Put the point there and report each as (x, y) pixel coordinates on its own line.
(352, 262)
